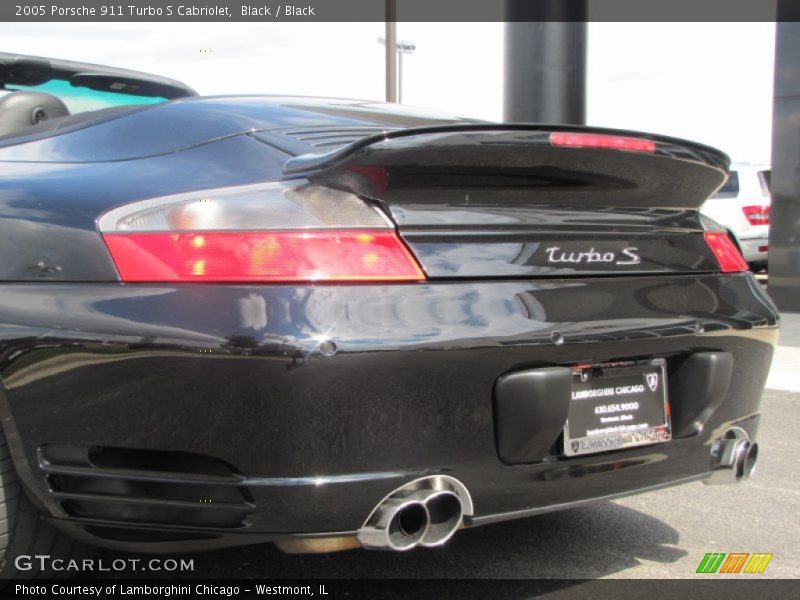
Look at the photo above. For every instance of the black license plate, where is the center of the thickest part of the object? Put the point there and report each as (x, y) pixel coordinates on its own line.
(617, 405)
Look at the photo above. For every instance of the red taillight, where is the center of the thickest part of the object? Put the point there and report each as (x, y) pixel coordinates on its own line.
(592, 140)
(727, 254)
(757, 215)
(277, 256)
(272, 232)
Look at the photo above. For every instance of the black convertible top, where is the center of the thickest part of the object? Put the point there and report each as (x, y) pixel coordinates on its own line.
(19, 69)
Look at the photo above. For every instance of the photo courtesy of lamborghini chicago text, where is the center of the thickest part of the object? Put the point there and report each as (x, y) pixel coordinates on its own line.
(400, 298)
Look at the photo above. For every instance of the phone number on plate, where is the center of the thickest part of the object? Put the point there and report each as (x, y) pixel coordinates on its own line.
(609, 409)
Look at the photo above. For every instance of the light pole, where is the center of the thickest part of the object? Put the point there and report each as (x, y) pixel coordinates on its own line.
(391, 61)
(402, 47)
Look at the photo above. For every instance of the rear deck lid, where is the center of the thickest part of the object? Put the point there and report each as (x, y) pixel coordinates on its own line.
(491, 201)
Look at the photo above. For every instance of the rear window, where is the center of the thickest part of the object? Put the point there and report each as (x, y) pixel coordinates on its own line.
(731, 187)
(765, 181)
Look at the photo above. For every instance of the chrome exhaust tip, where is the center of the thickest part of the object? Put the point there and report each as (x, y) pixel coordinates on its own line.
(749, 462)
(444, 517)
(425, 512)
(399, 523)
(408, 526)
(733, 458)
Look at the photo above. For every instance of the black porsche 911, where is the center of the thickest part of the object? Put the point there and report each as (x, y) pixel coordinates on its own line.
(331, 323)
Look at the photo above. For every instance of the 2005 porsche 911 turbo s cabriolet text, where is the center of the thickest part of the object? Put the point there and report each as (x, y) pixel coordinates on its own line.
(329, 323)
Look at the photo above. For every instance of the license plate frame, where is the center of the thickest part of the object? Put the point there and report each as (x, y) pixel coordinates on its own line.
(617, 405)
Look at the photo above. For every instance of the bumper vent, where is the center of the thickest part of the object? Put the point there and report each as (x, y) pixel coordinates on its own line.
(146, 487)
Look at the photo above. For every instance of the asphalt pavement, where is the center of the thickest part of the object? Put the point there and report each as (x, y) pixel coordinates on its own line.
(662, 534)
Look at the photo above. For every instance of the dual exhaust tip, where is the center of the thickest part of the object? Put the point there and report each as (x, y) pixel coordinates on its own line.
(733, 458)
(426, 513)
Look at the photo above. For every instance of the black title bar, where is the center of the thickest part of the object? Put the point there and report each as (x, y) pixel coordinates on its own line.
(406, 10)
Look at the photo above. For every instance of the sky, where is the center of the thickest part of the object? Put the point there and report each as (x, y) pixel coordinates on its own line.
(710, 82)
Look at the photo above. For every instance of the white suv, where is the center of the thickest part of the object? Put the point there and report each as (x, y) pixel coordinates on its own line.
(742, 206)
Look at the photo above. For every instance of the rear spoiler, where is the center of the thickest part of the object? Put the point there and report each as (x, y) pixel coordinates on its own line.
(514, 133)
(554, 163)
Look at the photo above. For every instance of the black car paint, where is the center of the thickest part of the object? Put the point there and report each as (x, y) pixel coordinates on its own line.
(55, 186)
(407, 393)
(404, 386)
(465, 211)
(48, 211)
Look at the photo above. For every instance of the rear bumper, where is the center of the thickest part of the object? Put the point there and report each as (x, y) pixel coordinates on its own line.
(324, 399)
(753, 249)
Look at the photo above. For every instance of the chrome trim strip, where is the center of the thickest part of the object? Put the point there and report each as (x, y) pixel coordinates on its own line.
(323, 480)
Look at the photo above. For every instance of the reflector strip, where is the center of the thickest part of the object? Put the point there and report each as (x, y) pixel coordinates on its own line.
(725, 251)
(593, 140)
(275, 256)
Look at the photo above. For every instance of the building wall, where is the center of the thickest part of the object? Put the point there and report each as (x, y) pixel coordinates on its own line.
(784, 252)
